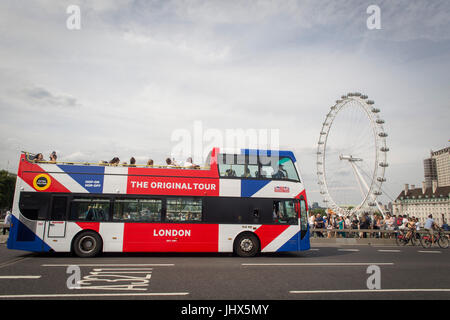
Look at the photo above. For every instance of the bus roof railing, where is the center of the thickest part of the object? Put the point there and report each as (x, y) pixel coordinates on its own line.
(106, 164)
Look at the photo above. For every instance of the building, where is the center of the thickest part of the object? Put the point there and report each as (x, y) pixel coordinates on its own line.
(437, 167)
(421, 202)
(430, 172)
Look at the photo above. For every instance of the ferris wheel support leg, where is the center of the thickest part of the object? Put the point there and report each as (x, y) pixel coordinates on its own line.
(358, 179)
(361, 179)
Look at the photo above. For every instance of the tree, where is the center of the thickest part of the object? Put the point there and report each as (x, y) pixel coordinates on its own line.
(7, 185)
(320, 211)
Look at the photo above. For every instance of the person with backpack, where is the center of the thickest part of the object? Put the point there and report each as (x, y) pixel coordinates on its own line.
(398, 221)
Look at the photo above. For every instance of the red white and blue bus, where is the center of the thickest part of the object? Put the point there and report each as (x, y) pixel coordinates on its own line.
(244, 201)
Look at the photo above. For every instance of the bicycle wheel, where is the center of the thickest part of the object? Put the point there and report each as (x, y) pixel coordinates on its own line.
(443, 241)
(401, 238)
(416, 239)
(426, 241)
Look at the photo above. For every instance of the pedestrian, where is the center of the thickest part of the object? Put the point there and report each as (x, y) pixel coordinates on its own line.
(7, 222)
(312, 218)
(340, 226)
(364, 224)
(319, 224)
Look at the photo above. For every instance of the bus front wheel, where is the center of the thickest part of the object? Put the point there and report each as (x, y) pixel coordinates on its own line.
(87, 244)
(246, 245)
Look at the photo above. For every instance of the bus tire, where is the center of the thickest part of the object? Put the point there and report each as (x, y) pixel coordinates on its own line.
(87, 244)
(246, 245)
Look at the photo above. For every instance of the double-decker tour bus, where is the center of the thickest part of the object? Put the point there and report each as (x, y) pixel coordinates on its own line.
(244, 201)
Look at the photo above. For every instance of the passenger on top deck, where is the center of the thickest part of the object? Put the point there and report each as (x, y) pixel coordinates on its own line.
(39, 157)
(190, 165)
(170, 163)
(150, 163)
(114, 162)
(53, 157)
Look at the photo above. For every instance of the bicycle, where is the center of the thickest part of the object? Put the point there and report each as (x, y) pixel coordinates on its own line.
(439, 237)
(402, 239)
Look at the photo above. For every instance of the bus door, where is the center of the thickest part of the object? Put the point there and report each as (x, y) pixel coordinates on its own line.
(304, 227)
(28, 230)
(58, 217)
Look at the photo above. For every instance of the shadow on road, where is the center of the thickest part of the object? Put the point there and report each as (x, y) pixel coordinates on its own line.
(274, 255)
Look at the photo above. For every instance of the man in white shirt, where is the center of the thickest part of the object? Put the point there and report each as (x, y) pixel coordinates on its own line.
(7, 222)
(429, 225)
(189, 164)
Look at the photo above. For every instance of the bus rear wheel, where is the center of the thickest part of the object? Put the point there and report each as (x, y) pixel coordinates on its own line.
(87, 244)
(246, 245)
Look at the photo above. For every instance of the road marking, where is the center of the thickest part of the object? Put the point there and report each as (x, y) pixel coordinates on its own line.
(123, 269)
(314, 249)
(111, 265)
(381, 250)
(369, 291)
(10, 262)
(422, 251)
(350, 250)
(20, 277)
(324, 264)
(118, 272)
(22, 296)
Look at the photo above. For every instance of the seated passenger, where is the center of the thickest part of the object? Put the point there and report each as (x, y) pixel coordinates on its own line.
(170, 163)
(190, 165)
(90, 215)
(53, 157)
(280, 174)
(150, 163)
(114, 162)
(39, 157)
(247, 173)
(132, 162)
(230, 173)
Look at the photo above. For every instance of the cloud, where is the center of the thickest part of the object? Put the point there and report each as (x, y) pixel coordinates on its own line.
(138, 70)
(43, 97)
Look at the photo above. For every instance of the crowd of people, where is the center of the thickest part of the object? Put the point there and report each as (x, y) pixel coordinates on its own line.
(170, 163)
(333, 224)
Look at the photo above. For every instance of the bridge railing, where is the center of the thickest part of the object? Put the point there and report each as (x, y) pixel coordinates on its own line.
(362, 233)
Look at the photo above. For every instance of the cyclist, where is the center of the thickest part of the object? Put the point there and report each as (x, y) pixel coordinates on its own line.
(430, 226)
(411, 227)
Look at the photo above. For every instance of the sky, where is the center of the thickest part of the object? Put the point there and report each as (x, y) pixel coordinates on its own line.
(136, 74)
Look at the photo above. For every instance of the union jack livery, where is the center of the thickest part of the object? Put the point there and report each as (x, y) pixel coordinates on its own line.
(244, 201)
